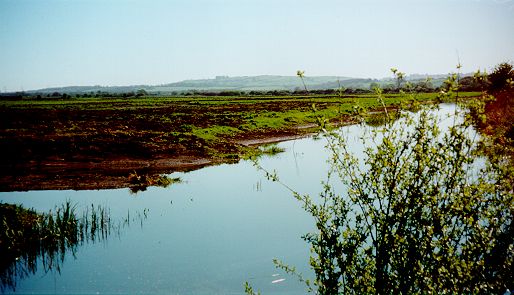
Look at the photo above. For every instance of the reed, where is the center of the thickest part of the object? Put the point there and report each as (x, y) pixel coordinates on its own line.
(29, 239)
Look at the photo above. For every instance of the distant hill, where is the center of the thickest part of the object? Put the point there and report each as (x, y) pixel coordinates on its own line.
(245, 83)
(87, 89)
(264, 82)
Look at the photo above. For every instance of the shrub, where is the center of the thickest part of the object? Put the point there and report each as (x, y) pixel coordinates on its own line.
(501, 77)
(422, 212)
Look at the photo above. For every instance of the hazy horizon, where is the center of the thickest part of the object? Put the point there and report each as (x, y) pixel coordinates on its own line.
(119, 43)
(306, 78)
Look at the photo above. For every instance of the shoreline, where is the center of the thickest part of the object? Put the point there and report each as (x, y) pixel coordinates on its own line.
(97, 144)
(114, 173)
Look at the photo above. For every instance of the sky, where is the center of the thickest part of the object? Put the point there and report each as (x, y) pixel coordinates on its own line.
(50, 43)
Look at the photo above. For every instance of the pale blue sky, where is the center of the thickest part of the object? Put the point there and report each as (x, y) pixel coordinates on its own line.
(47, 43)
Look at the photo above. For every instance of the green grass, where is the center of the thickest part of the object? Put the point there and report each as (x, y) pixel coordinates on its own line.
(214, 132)
(271, 150)
(128, 103)
(264, 150)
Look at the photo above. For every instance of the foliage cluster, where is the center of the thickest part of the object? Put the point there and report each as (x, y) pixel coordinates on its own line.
(422, 212)
(417, 217)
(501, 78)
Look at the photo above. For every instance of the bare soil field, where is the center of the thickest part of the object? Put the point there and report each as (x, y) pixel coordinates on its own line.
(95, 143)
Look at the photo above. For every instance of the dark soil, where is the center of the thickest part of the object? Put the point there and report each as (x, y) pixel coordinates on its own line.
(89, 146)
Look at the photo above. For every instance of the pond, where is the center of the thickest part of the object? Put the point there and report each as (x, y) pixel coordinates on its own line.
(221, 226)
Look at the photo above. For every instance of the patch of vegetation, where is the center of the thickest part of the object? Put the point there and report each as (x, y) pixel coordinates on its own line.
(140, 182)
(215, 132)
(493, 114)
(380, 118)
(253, 153)
(271, 150)
(29, 240)
(424, 211)
(501, 78)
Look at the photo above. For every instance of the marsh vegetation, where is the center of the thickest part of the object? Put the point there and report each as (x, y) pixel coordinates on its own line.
(30, 240)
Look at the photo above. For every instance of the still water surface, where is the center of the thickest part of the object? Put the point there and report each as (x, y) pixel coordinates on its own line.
(220, 227)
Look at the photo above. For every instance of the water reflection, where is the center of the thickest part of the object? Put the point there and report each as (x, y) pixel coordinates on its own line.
(140, 182)
(29, 240)
(218, 228)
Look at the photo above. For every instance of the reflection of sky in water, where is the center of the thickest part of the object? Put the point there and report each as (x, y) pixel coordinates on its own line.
(208, 235)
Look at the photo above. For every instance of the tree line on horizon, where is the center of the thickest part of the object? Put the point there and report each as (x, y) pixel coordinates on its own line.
(467, 83)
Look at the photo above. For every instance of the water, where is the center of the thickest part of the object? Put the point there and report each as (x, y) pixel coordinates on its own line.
(220, 227)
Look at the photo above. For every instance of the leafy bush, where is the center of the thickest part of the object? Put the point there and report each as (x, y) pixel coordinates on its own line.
(421, 212)
(420, 215)
(501, 77)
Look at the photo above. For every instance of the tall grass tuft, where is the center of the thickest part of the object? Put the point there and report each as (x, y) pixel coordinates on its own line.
(29, 239)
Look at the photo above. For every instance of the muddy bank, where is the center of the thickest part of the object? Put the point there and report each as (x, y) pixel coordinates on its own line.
(97, 143)
(113, 172)
(108, 174)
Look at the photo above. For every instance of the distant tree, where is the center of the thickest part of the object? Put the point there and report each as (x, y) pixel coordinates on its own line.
(502, 77)
(230, 93)
(141, 92)
(255, 92)
(388, 88)
(299, 91)
(471, 84)
(374, 85)
(423, 86)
